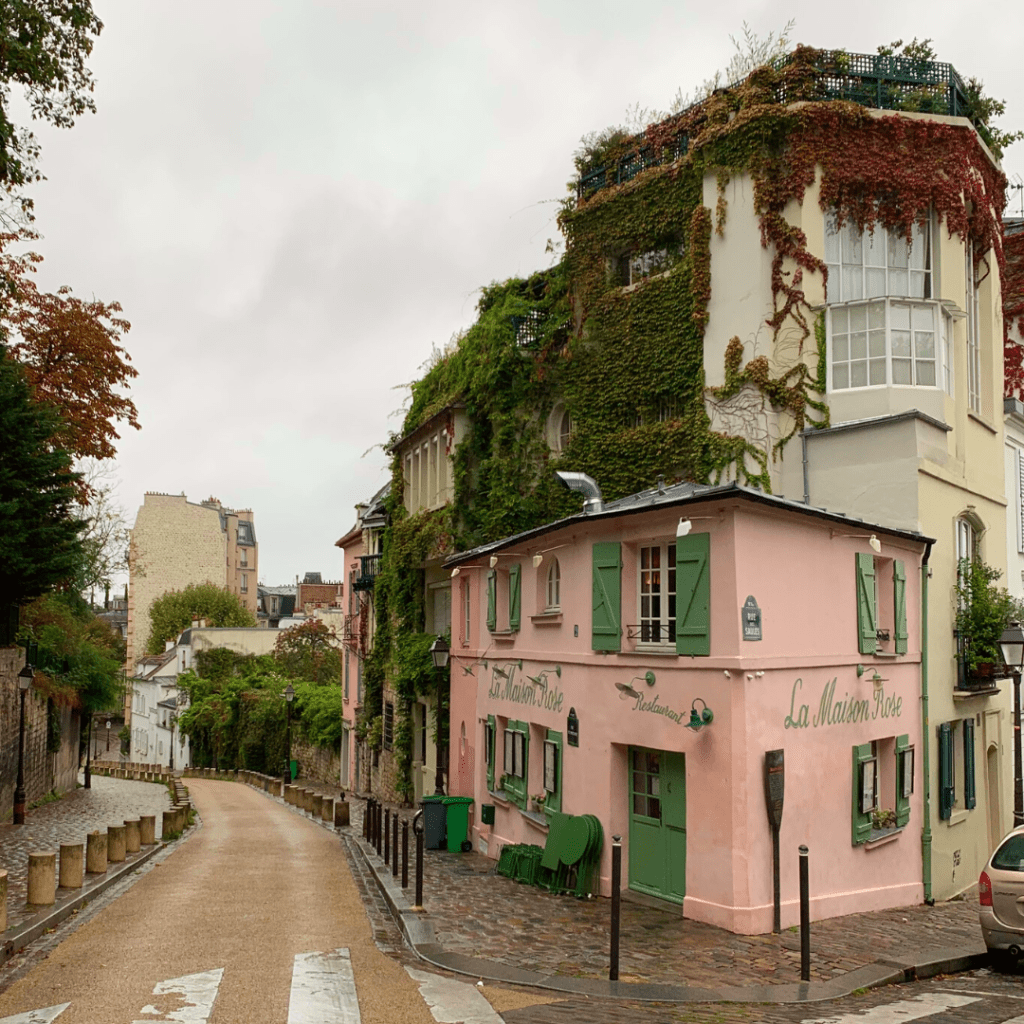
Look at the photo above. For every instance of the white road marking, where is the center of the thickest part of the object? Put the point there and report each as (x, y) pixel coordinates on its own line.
(51, 1013)
(197, 992)
(323, 989)
(899, 1012)
(453, 1002)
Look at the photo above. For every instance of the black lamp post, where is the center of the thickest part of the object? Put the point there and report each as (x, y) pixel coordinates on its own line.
(25, 677)
(108, 735)
(1011, 644)
(289, 696)
(439, 651)
(88, 755)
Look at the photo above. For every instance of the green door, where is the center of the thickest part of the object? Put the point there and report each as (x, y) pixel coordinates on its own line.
(657, 823)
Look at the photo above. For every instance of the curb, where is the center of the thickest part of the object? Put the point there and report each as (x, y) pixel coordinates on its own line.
(418, 932)
(38, 924)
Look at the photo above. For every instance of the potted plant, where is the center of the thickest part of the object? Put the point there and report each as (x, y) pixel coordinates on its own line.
(537, 802)
(982, 613)
(882, 818)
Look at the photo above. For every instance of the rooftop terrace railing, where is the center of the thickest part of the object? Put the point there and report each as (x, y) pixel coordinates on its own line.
(870, 80)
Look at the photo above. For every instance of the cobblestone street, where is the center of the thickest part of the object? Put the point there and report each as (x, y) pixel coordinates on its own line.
(69, 820)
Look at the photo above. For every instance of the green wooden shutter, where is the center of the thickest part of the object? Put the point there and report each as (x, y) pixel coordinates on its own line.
(902, 765)
(693, 594)
(605, 627)
(867, 630)
(946, 791)
(970, 790)
(899, 595)
(861, 822)
(554, 797)
(492, 734)
(515, 593)
(492, 600)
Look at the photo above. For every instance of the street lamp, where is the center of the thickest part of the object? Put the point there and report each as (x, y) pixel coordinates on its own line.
(1011, 644)
(88, 755)
(108, 735)
(439, 651)
(289, 696)
(25, 677)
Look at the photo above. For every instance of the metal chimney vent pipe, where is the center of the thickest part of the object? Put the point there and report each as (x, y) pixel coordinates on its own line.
(587, 486)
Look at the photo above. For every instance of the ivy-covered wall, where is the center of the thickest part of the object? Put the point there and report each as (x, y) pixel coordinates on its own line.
(628, 361)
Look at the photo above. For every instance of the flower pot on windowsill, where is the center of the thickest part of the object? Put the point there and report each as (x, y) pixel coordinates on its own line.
(983, 671)
(537, 805)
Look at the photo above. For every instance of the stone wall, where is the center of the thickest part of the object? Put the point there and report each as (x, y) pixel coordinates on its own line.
(43, 771)
(319, 764)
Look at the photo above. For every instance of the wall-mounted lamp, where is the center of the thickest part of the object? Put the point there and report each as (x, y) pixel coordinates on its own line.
(627, 691)
(541, 678)
(492, 561)
(698, 719)
(878, 680)
(873, 542)
(537, 559)
(459, 568)
(686, 524)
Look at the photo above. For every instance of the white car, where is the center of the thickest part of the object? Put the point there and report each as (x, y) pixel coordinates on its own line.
(1001, 895)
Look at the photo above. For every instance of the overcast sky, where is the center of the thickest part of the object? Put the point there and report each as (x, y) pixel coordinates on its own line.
(295, 201)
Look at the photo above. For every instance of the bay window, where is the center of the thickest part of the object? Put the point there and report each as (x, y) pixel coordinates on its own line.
(865, 264)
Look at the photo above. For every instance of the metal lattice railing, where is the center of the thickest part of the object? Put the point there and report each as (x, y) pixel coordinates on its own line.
(870, 80)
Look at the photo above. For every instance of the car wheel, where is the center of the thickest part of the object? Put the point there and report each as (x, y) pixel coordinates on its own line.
(1000, 960)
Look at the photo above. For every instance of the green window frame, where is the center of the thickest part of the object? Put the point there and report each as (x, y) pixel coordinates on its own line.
(867, 618)
(947, 783)
(606, 621)
(865, 779)
(970, 783)
(516, 762)
(693, 594)
(515, 595)
(492, 600)
(904, 778)
(490, 734)
(552, 775)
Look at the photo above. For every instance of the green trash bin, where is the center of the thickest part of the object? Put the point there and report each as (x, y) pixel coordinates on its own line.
(458, 823)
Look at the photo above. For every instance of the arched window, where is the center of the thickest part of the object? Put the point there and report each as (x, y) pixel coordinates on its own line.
(559, 428)
(968, 533)
(553, 593)
(564, 431)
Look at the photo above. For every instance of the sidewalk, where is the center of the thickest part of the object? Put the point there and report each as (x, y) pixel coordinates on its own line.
(479, 923)
(70, 820)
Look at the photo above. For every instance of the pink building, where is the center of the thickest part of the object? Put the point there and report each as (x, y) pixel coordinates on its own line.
(585, 651)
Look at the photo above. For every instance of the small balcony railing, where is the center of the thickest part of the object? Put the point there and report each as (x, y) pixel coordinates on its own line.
(369, 569)
(965, 679)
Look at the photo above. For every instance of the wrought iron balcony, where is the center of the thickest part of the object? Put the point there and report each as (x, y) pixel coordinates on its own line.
(870, 80)
(974, 682)
(369, 569)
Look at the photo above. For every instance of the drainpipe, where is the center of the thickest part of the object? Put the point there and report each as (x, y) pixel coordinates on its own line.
(807, 480)
(926, 832)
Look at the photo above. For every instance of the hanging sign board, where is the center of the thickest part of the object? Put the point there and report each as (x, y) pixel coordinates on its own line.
(751, 616)
(572, 729)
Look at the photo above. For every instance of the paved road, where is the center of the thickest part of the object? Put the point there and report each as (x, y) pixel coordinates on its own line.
(258, 904)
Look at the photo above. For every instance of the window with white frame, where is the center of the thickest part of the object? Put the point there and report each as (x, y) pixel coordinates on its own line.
(656, 578)
(865, 264)
(245, 583)
(553, 588)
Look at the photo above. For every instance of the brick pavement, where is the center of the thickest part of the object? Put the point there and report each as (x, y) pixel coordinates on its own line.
(69, 820)
(478, 913)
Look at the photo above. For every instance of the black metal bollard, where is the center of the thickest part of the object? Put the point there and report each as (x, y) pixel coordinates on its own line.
(387, 836)
(805, 918)
(378, 836)
(405, 853)
(367, 810)
(613, 968)
(394, 847)
(419, 869)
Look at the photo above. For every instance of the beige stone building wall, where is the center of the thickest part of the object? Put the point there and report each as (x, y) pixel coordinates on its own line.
(176, 542)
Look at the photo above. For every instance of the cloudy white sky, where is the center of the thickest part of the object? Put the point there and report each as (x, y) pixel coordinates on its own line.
(295, 201)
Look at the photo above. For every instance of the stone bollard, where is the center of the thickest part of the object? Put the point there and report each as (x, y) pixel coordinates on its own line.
(72, 865)
(341, 813)
(168, 825)
(3, 902)
(147, 830)
(42, 878)
(316, 806)
(307, 801)
(96, 853)
(327, 810)
(116, 849)
(289, 794)
(132, 835)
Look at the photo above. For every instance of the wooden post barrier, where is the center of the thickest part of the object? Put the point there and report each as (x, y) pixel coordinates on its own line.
(96, 853)
(317, 805)
(341, 813)
(132, 835)
(327, 811)
(147, 829)
(42, 878)
(72, 865)
(168, 825)
(117, 848)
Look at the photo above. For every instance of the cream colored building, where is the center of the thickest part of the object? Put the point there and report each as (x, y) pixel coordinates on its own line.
(915, 441)
(175, 542)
